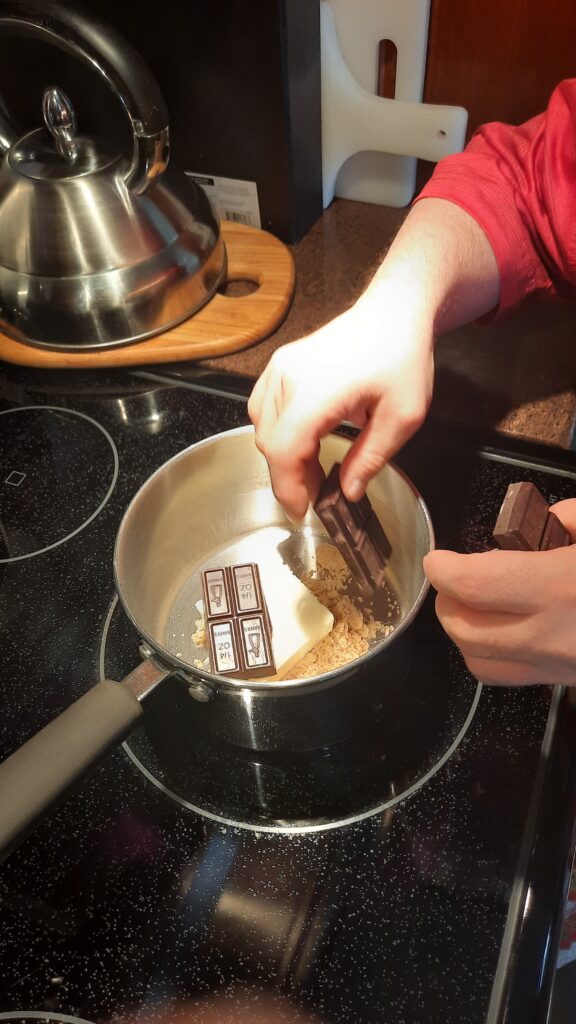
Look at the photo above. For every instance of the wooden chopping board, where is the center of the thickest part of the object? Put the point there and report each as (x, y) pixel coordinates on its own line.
(227, 323)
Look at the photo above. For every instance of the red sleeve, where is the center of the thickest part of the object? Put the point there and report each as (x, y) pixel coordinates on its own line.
(519, 184)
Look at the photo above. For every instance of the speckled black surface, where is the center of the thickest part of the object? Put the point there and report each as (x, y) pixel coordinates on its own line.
(126, 904)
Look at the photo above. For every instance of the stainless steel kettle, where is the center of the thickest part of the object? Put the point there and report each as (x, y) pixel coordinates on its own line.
(97, 247)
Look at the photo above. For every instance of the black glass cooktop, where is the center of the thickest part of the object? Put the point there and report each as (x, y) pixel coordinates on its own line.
(412, 874)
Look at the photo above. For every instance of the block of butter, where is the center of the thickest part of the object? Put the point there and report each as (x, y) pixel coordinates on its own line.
(299, 620)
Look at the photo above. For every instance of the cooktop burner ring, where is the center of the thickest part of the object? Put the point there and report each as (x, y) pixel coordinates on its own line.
(15, 477)
(285, 827)
(42, 1015)
(323, 826)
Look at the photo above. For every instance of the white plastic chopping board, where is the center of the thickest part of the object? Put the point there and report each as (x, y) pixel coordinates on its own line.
(369, 144)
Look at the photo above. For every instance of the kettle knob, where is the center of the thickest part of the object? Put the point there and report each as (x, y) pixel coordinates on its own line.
(112, 56)
(60, 120)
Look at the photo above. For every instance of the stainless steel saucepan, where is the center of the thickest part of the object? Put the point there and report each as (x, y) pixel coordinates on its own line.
(211, 505)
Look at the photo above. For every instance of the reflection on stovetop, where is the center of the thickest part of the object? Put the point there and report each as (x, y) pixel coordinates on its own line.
(128, 904)
(52, 450)
(396, 752)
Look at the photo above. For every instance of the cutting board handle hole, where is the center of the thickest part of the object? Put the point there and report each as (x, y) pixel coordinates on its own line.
(238, 287)
(387, 63)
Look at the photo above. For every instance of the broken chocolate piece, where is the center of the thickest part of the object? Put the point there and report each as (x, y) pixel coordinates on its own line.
(525, 522)
(356, 531)
(522, 518)
(237, 622)
(555, 534)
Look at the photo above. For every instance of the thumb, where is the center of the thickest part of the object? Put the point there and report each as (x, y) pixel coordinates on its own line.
(566, 512)
(517, 582)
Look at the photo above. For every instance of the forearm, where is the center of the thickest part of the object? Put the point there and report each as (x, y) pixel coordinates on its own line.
(443, 264)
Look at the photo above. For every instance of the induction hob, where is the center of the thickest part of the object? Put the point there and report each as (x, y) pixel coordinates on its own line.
(413, 874)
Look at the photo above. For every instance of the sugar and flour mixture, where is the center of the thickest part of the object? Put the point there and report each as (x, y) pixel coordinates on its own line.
(354, 626)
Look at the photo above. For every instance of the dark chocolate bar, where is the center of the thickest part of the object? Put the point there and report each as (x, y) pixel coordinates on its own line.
(525, 522)
(237, 622)
(356, 531)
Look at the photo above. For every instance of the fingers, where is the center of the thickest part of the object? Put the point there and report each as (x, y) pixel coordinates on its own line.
(257, 395)
(290, 482)
(291, 448)
(289, 425)
(509, 612)
(495, 646)
(484, 634)
(503, 673)
(516, 582)
(383, 435)
(310, 386)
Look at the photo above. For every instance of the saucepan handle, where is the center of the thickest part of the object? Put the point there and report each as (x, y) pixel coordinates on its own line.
(40, 774)
(110, 54)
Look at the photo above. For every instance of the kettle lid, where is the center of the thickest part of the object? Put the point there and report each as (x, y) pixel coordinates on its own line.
(57, 151)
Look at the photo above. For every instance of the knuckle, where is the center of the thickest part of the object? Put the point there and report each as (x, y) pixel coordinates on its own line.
(469, 588)
(412, 416)
(372, 459)
(280, 361)
(277, 452)
(261, 442)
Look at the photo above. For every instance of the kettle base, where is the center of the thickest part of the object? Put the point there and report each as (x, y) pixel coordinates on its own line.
(113, 308)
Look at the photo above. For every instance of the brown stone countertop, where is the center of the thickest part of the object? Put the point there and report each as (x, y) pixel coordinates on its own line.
(517, 375)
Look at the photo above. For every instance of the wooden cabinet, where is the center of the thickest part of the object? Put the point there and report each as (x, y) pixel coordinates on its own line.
(499, 58)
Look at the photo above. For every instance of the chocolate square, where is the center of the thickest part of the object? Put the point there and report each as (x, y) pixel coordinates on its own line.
(217, 595)
(256, 649)
(246, 588)
(555, 534)
(225, 654)
(522, 518)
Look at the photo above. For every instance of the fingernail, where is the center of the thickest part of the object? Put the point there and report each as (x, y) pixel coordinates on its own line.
(294, 518)
(355, 490)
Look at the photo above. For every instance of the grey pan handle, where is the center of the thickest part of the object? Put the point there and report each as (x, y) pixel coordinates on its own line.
(40, 774)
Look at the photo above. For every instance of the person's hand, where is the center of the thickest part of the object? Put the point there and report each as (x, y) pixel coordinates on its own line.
(511, 613)
(371, 366)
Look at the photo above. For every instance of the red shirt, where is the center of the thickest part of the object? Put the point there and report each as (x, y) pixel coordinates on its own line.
(519, 184)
